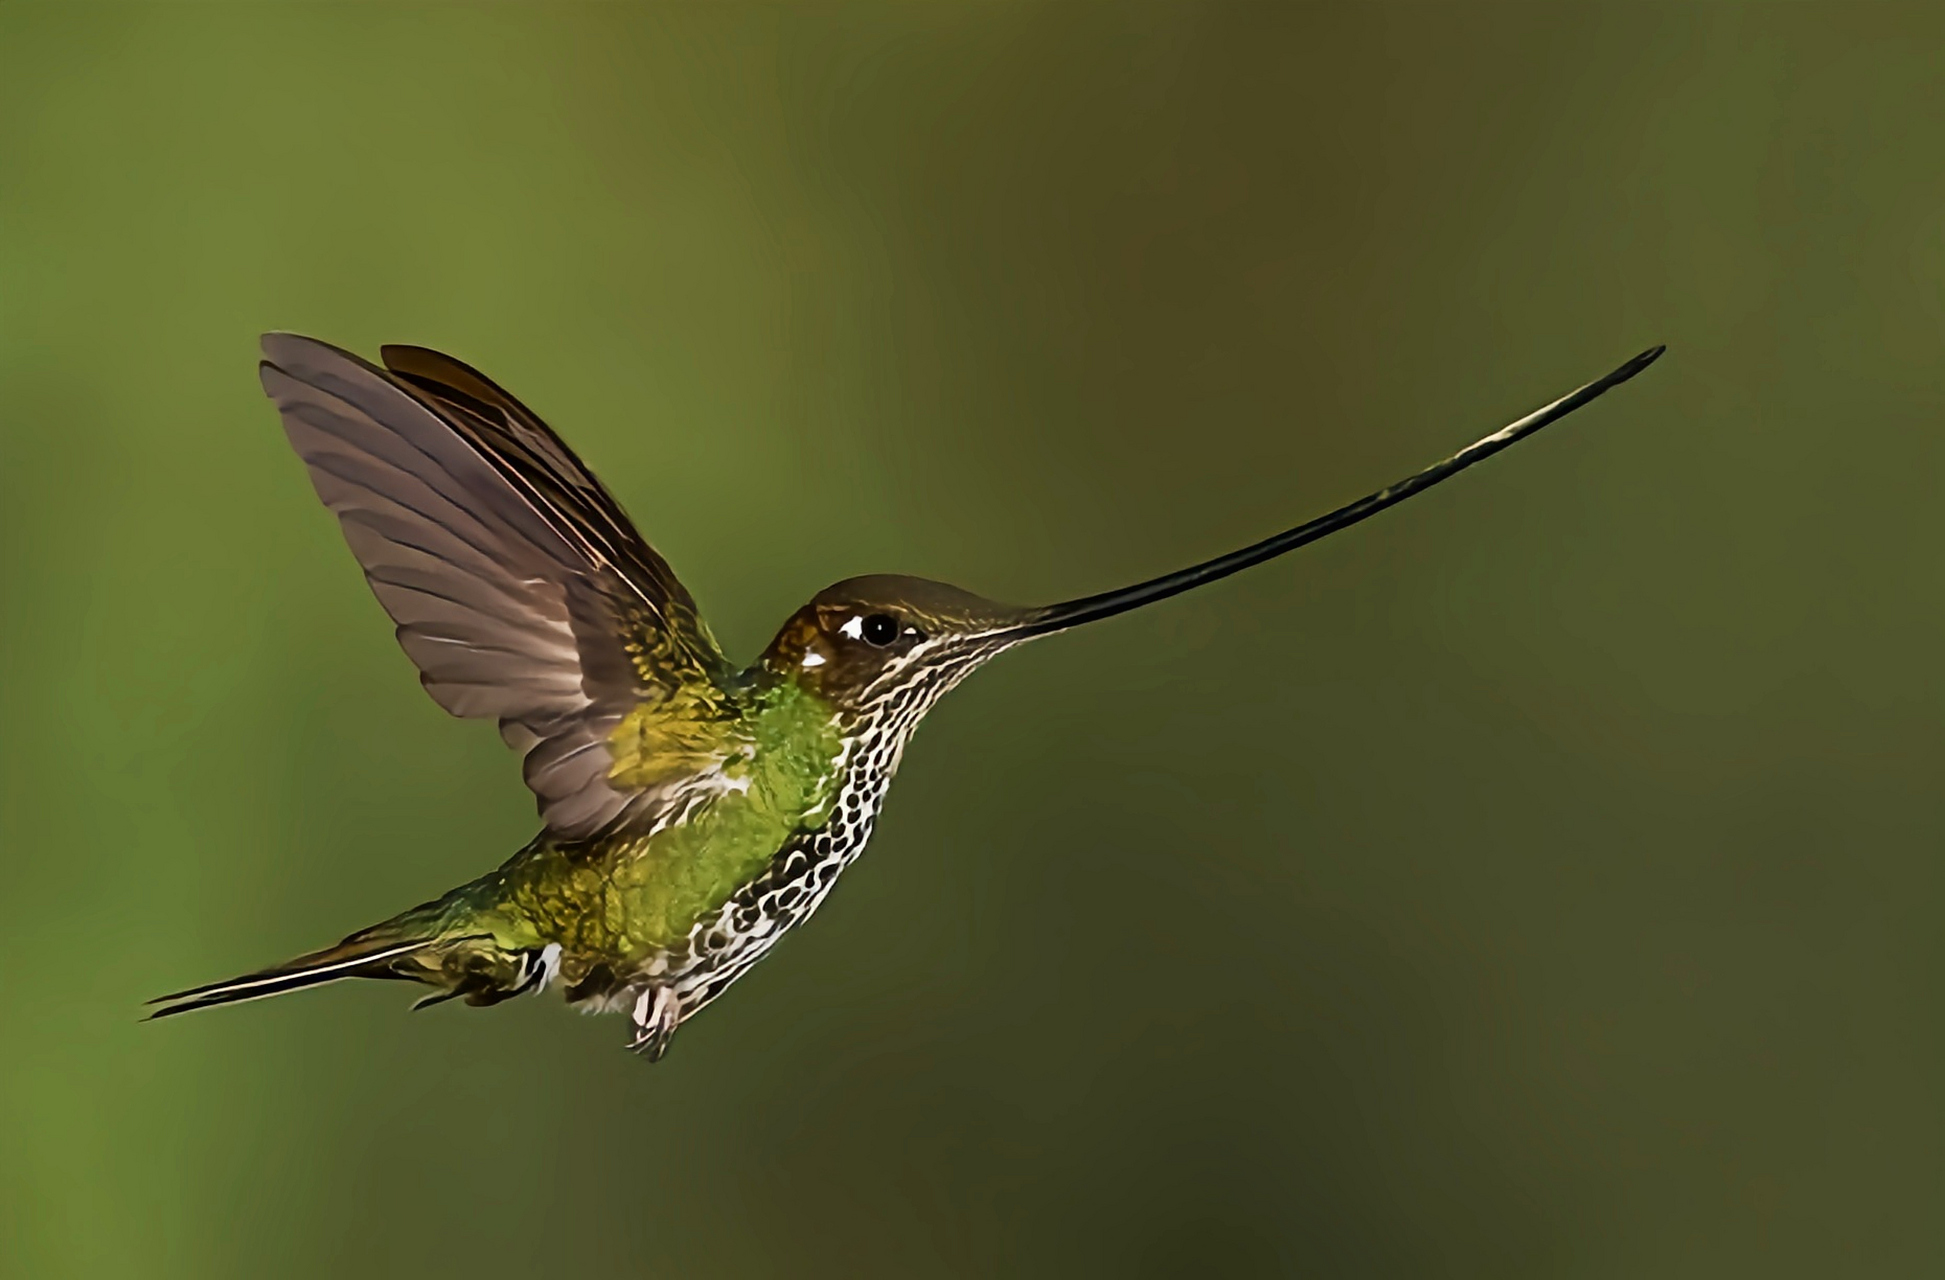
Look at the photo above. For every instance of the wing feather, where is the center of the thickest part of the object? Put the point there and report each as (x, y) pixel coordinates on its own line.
(519, 588)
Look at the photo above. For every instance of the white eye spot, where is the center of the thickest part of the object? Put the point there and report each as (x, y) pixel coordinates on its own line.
(853, 628)
(812, 658)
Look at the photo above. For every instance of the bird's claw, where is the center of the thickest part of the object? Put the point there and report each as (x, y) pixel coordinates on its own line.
(657, 1013)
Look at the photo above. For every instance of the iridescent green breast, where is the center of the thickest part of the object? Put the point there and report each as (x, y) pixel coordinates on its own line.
(622, 899)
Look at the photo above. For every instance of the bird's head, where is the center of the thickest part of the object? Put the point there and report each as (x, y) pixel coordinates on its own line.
(890, 645)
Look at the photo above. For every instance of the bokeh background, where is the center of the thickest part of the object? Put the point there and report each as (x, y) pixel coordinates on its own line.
(1543, 880)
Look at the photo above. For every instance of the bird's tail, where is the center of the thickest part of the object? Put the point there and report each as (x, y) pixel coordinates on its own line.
(403, 948)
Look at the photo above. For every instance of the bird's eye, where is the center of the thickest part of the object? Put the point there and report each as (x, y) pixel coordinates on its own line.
(880, 629)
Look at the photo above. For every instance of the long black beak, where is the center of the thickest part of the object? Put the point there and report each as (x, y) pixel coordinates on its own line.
(1072, 613)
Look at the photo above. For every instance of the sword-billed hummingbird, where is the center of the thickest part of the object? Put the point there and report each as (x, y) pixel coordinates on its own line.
(693, 812)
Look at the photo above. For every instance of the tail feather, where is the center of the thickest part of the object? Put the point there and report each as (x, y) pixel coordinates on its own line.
(355, 957)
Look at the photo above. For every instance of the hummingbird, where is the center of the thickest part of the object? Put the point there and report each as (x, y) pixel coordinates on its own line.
(692, 812)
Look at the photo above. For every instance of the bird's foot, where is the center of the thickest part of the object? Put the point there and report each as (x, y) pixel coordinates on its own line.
(657, 1014)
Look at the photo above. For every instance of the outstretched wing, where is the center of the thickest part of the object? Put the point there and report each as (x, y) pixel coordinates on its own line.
(518, 586)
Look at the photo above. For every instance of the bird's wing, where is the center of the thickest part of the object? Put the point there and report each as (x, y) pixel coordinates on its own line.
(518, 586)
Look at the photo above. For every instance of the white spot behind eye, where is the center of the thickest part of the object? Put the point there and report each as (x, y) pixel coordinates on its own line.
(812, 658)
(853, 627)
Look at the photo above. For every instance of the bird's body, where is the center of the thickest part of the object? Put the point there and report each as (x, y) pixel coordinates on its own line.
(693, 812)
(684, 908)
(680, 912)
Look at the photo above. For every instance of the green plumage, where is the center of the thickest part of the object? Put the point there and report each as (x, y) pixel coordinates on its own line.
(622, 898)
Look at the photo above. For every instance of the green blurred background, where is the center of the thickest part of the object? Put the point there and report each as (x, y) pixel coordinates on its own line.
(1543, 880)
